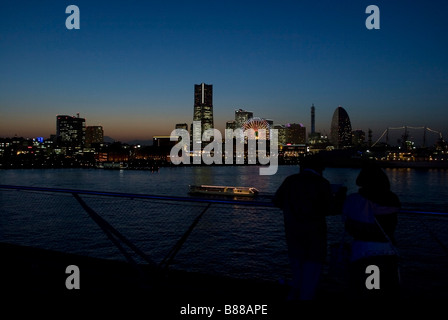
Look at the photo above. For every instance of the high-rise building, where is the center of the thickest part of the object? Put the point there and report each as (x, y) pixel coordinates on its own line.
(358, 137)
(295, 133)
(183, 126)
(203, 108)
(230, 125)
(241, 116)
(70, 131)
(341, 129)
(94, 134)
(281, 133)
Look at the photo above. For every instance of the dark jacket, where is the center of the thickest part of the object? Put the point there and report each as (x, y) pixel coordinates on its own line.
(305, 199)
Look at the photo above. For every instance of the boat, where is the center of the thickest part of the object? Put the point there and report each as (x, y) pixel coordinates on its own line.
(224, 190)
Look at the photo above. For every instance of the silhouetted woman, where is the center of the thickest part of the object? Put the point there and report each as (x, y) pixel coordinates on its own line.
(371, 218)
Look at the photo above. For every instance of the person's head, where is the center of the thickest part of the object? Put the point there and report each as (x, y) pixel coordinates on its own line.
(313, 162)
(373, 178)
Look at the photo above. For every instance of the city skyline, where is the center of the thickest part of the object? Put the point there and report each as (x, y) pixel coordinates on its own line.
(131, 67)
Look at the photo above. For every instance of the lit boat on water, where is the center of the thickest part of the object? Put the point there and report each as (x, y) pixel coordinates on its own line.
(224, 190)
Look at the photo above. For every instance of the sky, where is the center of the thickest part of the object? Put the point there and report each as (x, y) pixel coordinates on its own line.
(132, 65)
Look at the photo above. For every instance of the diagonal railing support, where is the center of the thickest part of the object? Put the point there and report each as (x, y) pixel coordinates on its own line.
(175, 249)
(113, 234)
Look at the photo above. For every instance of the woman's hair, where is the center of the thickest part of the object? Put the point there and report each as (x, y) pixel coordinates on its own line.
(373, 178)
(314, 161)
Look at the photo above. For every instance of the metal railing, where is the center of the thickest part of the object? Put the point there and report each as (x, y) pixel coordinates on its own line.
(208, 235)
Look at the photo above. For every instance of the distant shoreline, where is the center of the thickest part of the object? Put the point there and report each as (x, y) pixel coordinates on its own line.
(352, 163)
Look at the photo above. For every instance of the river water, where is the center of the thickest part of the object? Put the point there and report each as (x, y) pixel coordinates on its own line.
(233, 240)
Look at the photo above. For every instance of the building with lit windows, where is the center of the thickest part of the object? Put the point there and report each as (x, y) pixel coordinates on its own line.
(295, 133)
(358, 138)
(183, 126)
(70, 131)
(241, 117)
(203, 108)
(341, 129)
(94, 135)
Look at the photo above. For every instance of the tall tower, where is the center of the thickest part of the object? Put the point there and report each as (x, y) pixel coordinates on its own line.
(203, 107)
(341, 129)
(313, 120)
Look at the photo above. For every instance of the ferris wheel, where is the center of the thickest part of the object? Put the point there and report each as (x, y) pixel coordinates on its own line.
(256, 124)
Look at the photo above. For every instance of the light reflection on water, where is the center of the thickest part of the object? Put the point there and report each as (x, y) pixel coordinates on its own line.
(417, 189)
(233, 240)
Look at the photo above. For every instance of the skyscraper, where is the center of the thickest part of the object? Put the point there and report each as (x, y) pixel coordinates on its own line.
(341, 129)
(295, 133)
(241, 116)
(203, 108)
(70, 131)
(94, 134)
(281, 133)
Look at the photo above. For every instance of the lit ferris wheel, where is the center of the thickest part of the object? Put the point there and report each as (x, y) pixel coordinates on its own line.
(256, 124)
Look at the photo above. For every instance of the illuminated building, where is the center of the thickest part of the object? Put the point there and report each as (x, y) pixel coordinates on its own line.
(341, 129)
(241, 116)
(162, 141)
(203, 108)
(231, 125)
(183, 126)
(358, 137)
(281, 133)
(94, 135)
(70, 131)
(295, 133)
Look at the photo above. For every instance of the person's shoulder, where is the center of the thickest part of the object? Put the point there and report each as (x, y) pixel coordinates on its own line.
(394, 200)
(355, 197)
(293, 177)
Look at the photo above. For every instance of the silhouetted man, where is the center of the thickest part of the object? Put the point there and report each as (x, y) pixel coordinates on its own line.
(306, 199)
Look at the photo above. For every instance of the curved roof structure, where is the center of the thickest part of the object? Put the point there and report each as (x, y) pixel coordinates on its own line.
(341, 129)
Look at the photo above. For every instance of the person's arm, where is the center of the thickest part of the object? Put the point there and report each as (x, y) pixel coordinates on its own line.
(333, 201)
(363, 231)
(339, 199)
(279, 196)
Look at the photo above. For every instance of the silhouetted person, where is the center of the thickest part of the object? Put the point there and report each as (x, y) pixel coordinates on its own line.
(371, 218)
(306, 198)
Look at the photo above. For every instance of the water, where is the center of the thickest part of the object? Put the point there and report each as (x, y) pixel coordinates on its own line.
(238, 241)
(417, 189)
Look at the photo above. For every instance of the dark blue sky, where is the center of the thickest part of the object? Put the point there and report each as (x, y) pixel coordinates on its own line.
(133, 64)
